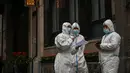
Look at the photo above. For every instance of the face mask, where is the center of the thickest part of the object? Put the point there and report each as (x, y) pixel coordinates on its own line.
(106, 31)
(69, 29)
(76, 32)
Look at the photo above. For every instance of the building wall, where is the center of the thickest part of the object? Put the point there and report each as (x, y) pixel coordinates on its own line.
(122, 27)
(16, 33)
(121, 16)
(118, 12)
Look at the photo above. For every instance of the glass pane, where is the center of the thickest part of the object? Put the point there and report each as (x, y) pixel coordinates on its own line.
(48, 27)
(4, 39)
(113, 9)
(0, 35)
(97, 31)
(85, 14)
(64, 13)
(102, 8)
(95, 10)
(56, 13)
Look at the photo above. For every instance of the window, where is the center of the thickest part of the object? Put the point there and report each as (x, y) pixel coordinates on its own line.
(102, 11)
(95, 10)
(98, 16)
(50, 20)
(56, 12)
(92, 13)
(98, 9)
(2, 37)
(113, 9)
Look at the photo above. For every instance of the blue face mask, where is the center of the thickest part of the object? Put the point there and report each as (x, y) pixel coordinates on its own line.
(75, 32)
(106, 31)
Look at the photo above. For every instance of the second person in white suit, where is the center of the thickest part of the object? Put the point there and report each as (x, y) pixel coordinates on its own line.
(79, 59)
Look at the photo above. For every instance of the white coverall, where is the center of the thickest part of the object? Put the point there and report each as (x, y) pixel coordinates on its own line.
(110, 47)
(64, 58)
(79, 59)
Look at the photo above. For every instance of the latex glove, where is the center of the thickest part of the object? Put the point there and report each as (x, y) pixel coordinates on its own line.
(98, 45)
(76, 50)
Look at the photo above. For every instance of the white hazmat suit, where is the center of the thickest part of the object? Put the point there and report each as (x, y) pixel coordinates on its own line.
(110, 47)
(79, 59)
(64, 59)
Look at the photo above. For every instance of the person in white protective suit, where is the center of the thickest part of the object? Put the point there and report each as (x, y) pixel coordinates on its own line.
(109, 48)
(79, 59)
(64, 58)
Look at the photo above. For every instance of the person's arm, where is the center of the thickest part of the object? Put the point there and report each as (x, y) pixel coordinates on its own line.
(81, 44)
(62, 43)
(75, 49)
(114, 43)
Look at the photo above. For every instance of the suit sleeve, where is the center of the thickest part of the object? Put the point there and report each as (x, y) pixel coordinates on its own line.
(113, 44)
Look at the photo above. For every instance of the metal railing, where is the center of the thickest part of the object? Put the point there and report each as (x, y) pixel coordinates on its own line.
(49, 67)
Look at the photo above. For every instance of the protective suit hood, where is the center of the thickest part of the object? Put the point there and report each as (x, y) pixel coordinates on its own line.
(110, 25)
(75, 25)
(65, 28)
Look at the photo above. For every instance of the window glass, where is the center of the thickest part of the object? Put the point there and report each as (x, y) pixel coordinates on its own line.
(95, 10)
(56, 12)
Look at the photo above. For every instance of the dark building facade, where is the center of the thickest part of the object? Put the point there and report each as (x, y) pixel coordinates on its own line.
(90, 15)
(14, 22)
(33, 29)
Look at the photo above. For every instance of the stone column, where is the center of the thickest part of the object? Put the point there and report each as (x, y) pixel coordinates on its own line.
(40, 37)
(121, 22)
(30, 37)
(40, 28)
